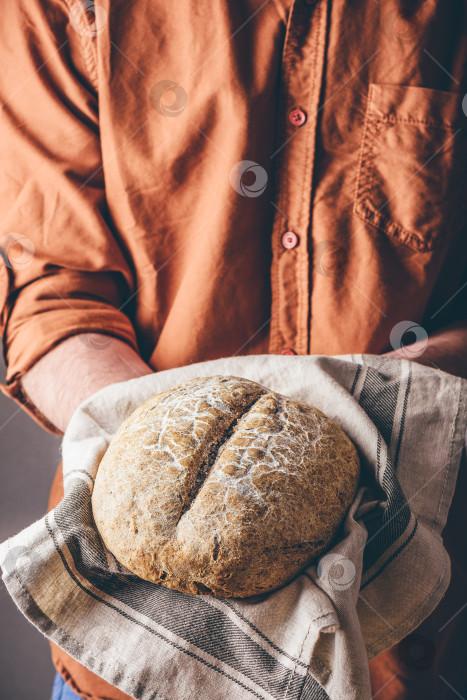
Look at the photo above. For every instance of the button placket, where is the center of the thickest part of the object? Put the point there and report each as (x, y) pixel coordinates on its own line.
(301, 79)
(297, 117)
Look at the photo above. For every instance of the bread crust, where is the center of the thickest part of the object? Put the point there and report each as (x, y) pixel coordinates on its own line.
(222, 486)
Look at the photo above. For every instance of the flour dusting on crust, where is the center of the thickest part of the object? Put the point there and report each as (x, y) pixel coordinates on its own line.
(223, 486)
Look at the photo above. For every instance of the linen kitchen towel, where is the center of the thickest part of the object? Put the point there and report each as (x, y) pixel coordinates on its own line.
(311, 639)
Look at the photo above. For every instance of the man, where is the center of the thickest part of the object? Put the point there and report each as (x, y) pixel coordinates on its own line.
(188, 181)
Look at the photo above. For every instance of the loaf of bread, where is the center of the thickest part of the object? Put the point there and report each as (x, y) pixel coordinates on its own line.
(222, 486)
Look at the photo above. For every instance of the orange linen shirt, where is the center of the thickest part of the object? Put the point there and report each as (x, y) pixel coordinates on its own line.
(211, 179)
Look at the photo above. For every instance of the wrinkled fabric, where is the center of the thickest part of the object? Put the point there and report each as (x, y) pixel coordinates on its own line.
(386, 571)
(148, 171)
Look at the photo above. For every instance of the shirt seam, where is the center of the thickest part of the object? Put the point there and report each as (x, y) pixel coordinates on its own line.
(87, 48)
(303, 336)
(393, 119)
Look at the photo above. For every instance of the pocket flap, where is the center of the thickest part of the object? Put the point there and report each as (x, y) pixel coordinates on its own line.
(406, 103)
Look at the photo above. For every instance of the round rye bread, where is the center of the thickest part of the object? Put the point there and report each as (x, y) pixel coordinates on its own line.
(222, 486)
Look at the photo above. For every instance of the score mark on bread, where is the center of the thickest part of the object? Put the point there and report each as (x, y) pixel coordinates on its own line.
(222, 486)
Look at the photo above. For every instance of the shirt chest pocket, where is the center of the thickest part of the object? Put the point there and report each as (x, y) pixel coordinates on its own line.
(412, 167)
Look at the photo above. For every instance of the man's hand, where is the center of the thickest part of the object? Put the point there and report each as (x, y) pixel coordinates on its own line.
(445, 350)
(79, 366)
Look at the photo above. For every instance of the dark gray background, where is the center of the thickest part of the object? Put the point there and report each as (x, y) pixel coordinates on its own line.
(29, 456)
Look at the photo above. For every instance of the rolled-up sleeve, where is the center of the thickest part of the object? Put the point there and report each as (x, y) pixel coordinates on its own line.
(62, 270)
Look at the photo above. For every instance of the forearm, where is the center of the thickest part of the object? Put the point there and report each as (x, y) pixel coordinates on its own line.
(77, 368)
(445, 350)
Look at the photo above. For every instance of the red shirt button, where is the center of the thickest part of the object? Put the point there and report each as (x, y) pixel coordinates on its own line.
(297, 117)
(289, 239)
(288, 351)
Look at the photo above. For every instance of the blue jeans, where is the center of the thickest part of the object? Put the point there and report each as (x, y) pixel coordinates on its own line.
(62, 691)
